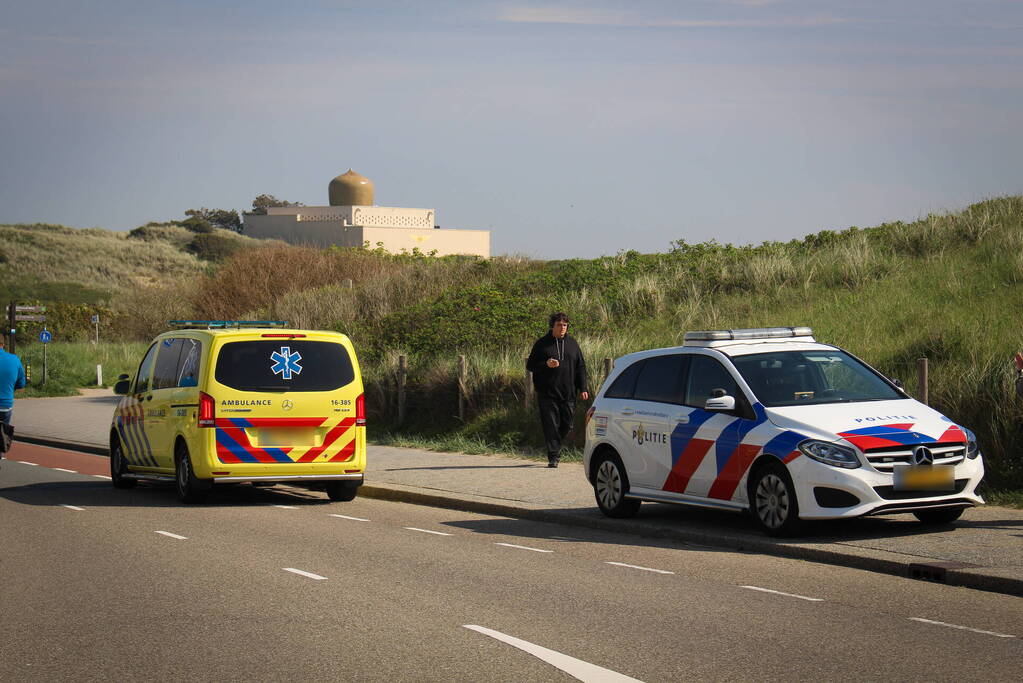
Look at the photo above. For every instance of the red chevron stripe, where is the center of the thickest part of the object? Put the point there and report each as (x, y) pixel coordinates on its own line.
(736, 466)
(953, 433)
(791, 456)
(240, 436)
(686, 465)
(333, 435)
(345, 453)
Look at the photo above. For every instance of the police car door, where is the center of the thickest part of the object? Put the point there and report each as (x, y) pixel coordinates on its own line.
(131, 422)
(656, 406)
(721, 461)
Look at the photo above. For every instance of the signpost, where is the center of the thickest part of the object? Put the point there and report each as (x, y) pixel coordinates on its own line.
(16, 314)
(95, 321)
(45, 338)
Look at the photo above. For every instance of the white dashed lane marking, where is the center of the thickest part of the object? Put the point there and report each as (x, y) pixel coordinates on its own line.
(646, 569)
(73, 507)
(101, 476)
(584, 671)
(308, 575)
(286, 507)
(524, 547)
(787, 595)
(61, 469)
(354, 519)
(25, 462)
(427, 531)
(962, 628)
(167, 533)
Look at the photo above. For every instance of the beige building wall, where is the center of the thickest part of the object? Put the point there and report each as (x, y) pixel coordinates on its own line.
(303, 226)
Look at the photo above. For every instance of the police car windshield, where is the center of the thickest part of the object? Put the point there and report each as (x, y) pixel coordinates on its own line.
(289, 365)
(789, 378)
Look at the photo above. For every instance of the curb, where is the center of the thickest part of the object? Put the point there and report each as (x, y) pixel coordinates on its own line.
(948, 573)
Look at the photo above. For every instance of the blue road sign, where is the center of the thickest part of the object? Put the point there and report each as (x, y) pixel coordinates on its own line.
(45, 336)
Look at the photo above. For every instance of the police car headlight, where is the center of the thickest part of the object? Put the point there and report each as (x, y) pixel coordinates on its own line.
(830, 453)
(972, 449)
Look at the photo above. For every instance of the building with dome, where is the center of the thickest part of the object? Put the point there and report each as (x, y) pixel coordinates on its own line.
(352, 220)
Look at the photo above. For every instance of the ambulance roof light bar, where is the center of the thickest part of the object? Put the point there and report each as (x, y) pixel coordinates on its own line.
(224, 324)
(754, 333)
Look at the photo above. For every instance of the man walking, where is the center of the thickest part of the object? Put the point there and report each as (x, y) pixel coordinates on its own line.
(12, 377)
(559, 372)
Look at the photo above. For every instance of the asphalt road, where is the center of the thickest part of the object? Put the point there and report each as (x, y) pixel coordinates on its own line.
(270, 584)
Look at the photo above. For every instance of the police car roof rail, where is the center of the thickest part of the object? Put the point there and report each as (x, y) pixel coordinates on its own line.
(752, 333)
(223, 324)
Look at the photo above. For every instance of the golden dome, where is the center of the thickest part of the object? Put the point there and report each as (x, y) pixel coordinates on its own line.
(351, 189)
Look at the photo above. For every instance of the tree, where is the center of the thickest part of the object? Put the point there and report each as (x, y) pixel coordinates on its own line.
(218, 218)
(265, 201)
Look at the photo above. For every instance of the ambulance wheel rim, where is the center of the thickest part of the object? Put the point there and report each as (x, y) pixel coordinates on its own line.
(609, 484)
(772, 501)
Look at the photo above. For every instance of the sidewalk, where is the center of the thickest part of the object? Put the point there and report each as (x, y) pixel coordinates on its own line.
(984, 550)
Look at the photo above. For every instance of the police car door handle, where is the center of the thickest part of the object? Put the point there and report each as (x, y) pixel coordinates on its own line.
(627, 411)
(682, 419)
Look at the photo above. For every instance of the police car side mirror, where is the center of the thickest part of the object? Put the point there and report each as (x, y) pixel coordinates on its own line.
(898, 383)
(122, 387)
(720, 403)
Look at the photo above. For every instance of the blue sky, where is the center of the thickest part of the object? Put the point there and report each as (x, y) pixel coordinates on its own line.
(568, 129)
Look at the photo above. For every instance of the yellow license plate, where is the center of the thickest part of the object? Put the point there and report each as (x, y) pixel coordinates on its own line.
(924, 478)
(281, 437)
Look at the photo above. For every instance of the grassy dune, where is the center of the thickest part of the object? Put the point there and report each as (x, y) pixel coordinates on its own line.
(945, 287)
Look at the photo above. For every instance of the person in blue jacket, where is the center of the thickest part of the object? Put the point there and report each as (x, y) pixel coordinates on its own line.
(12, 378)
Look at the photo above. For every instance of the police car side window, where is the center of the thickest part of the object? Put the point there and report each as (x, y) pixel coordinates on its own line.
(624, 384)
(142, 377)
(165, 373)
(661, 379)
(706, 375)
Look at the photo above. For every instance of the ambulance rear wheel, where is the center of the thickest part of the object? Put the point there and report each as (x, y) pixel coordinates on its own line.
(939, 516)
(191, 489)
(119, 466)
(343, 491)
(610, 484)
(773, 502)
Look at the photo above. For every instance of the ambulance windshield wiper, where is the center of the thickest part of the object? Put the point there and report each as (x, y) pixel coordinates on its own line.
(275, 388)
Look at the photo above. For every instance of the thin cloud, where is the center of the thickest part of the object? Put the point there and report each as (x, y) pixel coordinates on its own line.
(523, 14)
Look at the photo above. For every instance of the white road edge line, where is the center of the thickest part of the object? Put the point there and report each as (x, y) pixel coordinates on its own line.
(634, 566)
(427, 531)
(962, 628)
(308, 575)
(287, 507)
(167, 533)
(524, 547)
(61, 469)
(354, 519)
(584, 671)
(788, 595)
(73, 507)
(26, 462)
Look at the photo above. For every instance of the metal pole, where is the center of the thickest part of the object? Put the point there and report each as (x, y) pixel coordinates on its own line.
(921, 374)
(11, 313)
(44, 362)
(402, 374)
(461, 388)
(97, 333)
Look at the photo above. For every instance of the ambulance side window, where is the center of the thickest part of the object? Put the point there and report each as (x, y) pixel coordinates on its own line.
(142, 377)
(188, 363)
(706, 375)
(165, 373)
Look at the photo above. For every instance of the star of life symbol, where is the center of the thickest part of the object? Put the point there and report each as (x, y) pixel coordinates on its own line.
(286, 362)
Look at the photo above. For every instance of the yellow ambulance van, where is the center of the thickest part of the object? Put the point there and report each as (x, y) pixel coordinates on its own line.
(216, 402)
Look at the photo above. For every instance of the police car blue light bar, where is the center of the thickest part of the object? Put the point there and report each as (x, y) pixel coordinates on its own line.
(219, 324)
(752, 333)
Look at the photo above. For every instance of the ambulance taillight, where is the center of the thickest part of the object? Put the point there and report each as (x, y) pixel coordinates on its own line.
(360, 411)
(207, 410)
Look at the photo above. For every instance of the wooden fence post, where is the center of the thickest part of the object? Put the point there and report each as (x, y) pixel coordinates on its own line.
(462, 389)
(402, 374)
(527, 389)
(921, 374)
(609, 365)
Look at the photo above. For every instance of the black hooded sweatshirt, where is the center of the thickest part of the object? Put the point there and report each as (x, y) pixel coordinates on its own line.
(565, 381)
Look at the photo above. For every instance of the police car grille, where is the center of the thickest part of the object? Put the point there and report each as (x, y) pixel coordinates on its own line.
(885, 459)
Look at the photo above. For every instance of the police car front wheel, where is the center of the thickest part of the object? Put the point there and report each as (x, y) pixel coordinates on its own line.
(773, 500)
(610, 484)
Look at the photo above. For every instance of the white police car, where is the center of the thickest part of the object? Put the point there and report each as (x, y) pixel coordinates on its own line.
(770, 421)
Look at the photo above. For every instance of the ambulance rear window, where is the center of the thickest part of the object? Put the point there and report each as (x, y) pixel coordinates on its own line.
(284, 365)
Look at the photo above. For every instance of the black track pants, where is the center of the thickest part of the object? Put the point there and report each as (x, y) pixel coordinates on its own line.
(556, 420)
